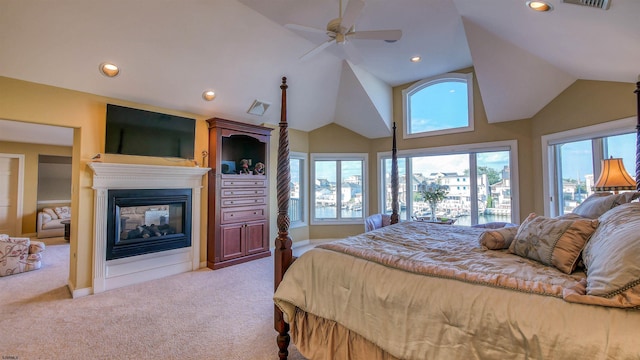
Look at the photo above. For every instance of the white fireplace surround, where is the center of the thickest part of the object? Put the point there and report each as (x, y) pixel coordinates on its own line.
(117, 273)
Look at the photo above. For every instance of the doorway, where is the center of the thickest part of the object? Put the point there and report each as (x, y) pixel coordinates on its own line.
(11, 174)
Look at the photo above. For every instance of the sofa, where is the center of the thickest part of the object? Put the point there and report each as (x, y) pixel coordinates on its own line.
(19, 255)
(49, 222)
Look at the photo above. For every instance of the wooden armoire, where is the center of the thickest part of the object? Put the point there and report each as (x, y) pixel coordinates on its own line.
(238, 216)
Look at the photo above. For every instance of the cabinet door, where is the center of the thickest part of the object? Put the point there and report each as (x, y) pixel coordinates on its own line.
(232, 244)
(255, 236)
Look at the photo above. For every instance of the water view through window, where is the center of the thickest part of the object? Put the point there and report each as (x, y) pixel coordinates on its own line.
(478, 194)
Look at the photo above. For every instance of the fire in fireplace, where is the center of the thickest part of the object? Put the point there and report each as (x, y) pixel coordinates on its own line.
(142, 221)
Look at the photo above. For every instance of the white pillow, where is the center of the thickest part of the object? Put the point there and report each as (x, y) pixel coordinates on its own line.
(612, 255)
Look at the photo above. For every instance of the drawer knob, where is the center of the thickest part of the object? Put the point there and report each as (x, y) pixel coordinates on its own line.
(231, 215)
(255, 213)
(231, 202)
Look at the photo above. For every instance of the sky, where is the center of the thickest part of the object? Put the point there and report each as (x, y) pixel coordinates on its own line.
(576, 156)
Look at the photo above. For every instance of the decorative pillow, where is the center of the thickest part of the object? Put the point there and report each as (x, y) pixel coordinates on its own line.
(497, 239)
(45, 218)
(555, 242)
(599, 203)
(63, 212)
(612, 257)
(51, 213)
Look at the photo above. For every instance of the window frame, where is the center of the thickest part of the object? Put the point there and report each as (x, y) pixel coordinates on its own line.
(505, 145)
(423, 84)
(364, 158)
(549, 164)
(304, 191)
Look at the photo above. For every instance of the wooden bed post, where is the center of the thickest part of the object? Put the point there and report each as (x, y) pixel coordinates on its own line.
(394, 179)
(283, 254)
(637, 92)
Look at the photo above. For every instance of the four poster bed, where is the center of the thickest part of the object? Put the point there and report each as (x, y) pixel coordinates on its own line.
(563, 288)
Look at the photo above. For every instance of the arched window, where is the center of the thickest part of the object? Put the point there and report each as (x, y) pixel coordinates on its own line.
(439, 105)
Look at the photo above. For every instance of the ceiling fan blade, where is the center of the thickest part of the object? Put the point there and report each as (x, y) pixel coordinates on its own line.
(305, 28)
(387, 35)
(317, 49)
(351, 14)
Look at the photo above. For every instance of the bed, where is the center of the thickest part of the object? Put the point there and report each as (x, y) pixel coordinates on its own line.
(551, 288)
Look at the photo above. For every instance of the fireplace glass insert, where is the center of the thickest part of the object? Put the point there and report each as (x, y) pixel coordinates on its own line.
(142, 221)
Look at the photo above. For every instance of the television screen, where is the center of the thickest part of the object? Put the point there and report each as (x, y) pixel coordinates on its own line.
(146, 133)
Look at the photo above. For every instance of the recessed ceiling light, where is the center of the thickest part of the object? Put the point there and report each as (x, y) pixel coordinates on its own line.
(208, 95)
(541, 6)
(415, 59)
(109, 69)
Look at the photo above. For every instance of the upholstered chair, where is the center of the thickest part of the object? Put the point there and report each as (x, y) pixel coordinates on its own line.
(376, 221)
(18, 255)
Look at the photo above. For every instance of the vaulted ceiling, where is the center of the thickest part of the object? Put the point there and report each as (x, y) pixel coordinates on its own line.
(169, 52)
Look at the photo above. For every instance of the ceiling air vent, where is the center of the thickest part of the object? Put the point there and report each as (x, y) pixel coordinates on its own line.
(599, 4)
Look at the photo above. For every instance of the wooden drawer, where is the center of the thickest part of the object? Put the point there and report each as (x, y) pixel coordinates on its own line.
(235, 192)
(239, 201)
(232, 215)
(244, 182)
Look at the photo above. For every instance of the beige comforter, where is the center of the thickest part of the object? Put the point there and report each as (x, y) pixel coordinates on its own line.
(427, 291)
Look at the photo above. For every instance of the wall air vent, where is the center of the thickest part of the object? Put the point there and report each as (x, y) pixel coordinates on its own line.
(599, 4)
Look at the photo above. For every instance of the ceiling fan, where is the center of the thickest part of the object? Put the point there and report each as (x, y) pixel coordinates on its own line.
(342, 28)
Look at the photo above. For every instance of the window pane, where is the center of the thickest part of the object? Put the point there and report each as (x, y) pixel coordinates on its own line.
(576, 165)
(450, 170)
(351, 189)
(295, 200)
(622, 146)
(439, 106)
(494, 187)
(325, 189)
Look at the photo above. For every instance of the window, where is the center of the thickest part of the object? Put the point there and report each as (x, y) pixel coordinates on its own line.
(572, 159)
(298, 191)
(339, 188)
(482, 180)
(439, 105)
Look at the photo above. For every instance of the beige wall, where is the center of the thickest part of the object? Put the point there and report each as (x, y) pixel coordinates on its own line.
(30, 199)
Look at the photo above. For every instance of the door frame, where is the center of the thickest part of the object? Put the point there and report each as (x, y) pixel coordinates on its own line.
(20, 195)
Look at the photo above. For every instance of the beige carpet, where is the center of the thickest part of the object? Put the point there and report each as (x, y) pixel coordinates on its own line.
(222, 314)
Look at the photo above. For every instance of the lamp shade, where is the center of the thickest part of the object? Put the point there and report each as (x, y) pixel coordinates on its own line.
(614, 177)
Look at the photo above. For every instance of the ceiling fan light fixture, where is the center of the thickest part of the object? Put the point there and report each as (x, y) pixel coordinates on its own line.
(109, 69)
(208, 95)
(541, 6)
(415, 59)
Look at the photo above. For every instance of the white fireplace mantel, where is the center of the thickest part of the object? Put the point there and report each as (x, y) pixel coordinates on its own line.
(112, 274)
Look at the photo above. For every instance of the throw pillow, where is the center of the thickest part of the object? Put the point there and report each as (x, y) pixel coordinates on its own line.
(63, 212)
(599, 203)
(497, 239)
(51, 213)
(554, 242)
(612, 257)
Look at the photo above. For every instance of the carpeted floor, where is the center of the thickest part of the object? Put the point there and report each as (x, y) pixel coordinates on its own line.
(222, 314)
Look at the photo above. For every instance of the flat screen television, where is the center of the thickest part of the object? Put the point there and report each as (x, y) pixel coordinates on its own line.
(139, 132)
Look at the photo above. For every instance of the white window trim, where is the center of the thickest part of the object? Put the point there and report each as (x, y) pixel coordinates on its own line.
(510, 145)
(364, 157)
(611, 128)
(304, 191)
(406, 106)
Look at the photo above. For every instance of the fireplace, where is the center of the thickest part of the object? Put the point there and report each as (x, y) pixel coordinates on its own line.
(143, 221)
(146, 222)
